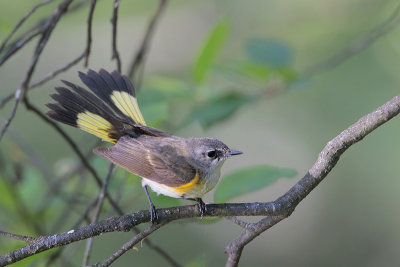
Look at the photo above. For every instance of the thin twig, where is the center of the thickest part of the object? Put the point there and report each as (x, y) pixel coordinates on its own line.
(12, 113)
(138, 60)
(23, 211)
(50, 25)
(17, 45)
(327, 159)
(83, 217)
(6, 99)
(70, 205)
(235, 248)
(21, 21)
(89, 32)
(113, 203)
(56, 185)
(24, 238)
(130, 244)
(75, 148)
(239, 222)
(114, 20)
(355, 46)
(126, 222)
(159, 250)
(55, 72)
(43, 27)
(278, 209)
(34, 31)
(46, 78)
(99, 205)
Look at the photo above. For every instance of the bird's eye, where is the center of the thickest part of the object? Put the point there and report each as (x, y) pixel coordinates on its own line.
(212, 154)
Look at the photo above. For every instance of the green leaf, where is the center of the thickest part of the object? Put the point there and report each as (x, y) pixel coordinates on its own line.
(253, 69)
(170, 87)
(248, 69)
(270, 53)
(248, 180)
(301, 83)
(217, 109)
(210, 50)
(288, 74)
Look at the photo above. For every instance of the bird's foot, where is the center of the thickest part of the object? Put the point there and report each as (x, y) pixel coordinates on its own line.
(153, 214)
(202, 206)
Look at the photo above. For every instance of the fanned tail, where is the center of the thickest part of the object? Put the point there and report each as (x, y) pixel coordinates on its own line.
(105, 113)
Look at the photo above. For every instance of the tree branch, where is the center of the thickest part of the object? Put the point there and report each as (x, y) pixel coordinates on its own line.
(75, 148)
(89, 32)
(129, 245)
(356, 45)
(143, 50)
(46, 78)
(96, 215)
(21, 21)
(48, 29)
(114, 20)
(24, 238)
(327, 159)
(277, 210)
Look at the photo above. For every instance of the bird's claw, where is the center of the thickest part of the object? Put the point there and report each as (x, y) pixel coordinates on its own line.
(153, 215)
(202, 207)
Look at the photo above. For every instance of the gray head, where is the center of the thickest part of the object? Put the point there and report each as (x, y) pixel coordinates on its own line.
(209, 153)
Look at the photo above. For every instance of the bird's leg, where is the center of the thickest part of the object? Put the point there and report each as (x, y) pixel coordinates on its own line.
(202, 206)
(153, 213)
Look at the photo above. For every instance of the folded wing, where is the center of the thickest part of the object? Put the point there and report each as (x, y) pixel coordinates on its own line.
(159, 162)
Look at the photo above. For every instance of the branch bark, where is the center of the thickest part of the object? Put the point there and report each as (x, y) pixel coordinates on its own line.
(276, 211)
(327, 159)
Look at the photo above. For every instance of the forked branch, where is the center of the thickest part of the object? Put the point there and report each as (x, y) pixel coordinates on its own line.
(276, 210)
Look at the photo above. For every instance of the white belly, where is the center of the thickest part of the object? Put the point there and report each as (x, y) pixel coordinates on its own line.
(197, 190)
(160, 188)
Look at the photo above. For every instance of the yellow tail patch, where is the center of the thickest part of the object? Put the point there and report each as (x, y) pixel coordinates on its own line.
(128, 105)
(95, 125)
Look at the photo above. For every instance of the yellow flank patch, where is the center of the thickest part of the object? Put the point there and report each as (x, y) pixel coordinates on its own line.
(128, 105)
(95, 125)
(187, 187)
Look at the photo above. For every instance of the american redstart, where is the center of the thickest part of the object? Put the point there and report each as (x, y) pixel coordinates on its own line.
(171, 165)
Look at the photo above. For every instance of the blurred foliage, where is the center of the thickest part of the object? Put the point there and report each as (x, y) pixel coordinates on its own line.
(269, 53)
(266, 60)
(38, 196)
(210, 51)
(249, 180)
(217, 109)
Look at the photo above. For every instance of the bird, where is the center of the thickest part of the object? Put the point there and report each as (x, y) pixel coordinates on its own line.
(174, 166)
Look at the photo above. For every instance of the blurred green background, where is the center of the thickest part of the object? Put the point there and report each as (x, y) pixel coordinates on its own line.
(233, 70)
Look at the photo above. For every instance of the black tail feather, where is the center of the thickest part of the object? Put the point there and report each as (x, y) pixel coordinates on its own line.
(109, 111)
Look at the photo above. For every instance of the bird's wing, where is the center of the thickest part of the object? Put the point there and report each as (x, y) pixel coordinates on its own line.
(153, 158)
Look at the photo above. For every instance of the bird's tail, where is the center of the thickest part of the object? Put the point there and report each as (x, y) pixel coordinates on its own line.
(104, 113)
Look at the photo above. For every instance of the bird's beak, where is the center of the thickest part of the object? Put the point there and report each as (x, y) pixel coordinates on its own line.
(235, 152)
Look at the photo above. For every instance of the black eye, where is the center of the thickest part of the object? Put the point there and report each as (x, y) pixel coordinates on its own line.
(212, 154)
